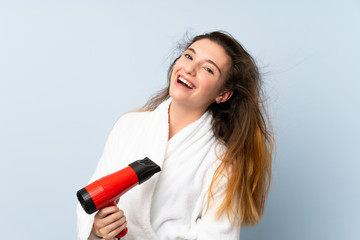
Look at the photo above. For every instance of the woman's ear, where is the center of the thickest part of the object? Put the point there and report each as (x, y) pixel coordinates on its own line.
(224, 96)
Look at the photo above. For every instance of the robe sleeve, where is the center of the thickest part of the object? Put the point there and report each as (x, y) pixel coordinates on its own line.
(104, 167)
(208, 226)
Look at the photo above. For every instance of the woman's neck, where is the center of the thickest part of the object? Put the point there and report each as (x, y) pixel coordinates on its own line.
(180, 116)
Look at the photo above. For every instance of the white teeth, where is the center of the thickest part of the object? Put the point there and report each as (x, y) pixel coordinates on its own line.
(186, 82)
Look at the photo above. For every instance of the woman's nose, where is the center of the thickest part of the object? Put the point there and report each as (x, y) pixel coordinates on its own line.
(190, 68)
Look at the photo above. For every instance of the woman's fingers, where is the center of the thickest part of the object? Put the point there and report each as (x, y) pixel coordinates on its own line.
(109, 222)
(113, 217)
(115, 228)
(106, 211)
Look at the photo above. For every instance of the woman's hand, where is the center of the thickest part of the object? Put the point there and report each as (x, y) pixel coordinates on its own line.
(109, 222)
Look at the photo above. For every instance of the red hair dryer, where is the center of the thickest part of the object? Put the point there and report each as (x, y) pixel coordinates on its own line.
(107, 190)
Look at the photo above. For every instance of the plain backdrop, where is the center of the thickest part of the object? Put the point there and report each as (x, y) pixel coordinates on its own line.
(69, 69)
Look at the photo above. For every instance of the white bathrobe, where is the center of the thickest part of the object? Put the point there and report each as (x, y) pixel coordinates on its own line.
(171, 204)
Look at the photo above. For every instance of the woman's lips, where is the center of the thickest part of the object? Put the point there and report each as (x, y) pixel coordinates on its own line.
(181, 80)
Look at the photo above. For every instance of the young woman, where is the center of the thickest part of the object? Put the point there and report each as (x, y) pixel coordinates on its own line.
(208, 131)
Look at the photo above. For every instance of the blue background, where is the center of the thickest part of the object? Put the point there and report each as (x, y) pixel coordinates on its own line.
(69, 69)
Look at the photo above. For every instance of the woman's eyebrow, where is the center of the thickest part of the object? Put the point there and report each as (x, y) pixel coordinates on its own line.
(208, 60)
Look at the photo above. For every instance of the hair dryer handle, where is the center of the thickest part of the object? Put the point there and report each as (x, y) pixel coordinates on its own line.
(122, 233)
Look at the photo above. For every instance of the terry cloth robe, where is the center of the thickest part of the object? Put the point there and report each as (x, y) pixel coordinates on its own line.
(171, 204)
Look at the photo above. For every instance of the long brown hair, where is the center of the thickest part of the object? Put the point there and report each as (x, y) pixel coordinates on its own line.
(243, 126)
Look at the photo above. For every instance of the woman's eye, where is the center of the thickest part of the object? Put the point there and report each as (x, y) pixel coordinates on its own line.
(188, 56)
(209, 70)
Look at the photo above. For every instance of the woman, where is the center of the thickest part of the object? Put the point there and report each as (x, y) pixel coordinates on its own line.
(208, 132)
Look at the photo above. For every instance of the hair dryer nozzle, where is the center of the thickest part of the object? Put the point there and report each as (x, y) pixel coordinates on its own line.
(144, 169)
(86, 201)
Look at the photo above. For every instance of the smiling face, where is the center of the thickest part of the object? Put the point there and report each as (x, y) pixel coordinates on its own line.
(199, 74)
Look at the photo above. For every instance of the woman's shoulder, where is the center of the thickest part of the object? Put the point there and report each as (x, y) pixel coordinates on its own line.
(144, 117)
(139, 120)
(132, 118)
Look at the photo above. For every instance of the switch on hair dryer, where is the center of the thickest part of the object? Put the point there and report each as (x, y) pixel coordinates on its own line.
(107, 190)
